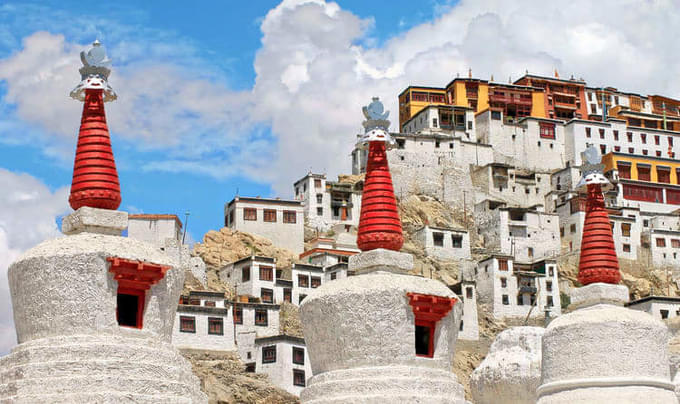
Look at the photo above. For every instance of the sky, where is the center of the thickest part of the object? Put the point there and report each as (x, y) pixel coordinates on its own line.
(217, 98)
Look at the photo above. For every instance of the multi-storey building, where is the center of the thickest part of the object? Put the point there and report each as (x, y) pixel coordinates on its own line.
(284, 358)
(415, 98)
(444, 242)
(252, 276)
(563, 99)
(328, 203)
(279, 220)
(661, 307)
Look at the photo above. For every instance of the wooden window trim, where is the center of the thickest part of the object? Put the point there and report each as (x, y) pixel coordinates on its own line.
(182, 327)
(250, 214)
(238, 315)
(262, 323)
(296, 374)
(296, 351)
(269, 354)
(269, 215)
(216, 320)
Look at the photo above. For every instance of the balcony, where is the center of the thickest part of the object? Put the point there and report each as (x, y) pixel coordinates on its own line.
(506, 99)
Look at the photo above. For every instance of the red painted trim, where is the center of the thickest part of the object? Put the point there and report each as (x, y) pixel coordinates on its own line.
(428, 310)
(141, 300)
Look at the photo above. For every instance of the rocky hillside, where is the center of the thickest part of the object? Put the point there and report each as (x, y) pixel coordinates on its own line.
(225, 381)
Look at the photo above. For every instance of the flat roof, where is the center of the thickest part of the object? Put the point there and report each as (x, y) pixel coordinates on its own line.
(546, 78)
(319, 176)
(468, 79)
(194, 308)
(308, 267)
(206, 293)
(420, 87)
(254, 258)
(268, 201)
(148, 216)
(668, 299)
(278, 338)
(455, 229)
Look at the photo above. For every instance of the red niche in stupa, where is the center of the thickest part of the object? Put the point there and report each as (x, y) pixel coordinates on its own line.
(379, 224)
(95, 179)
(598, 261)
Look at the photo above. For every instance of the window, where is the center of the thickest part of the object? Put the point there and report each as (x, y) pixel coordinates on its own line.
(303, 281)
(590, 96)
(496, 115)
(643, 137)
(457, 241)
(438, 239)
(468, 293)
(269, 354)
(187, 324)
(261, 317)
(603, 149)
(215, 326)
(506, 300)
(593, 109)
(616, 135)
(249, 214)
(270, 215)
(245, 274)
(267, 295)
(289, 216)
(644, 173)
(663, 175)
(436, 144)
(460, 328)
(334, 275)
(645, 223)
(266, 273)
(287, 295)
(299, 377)
(238, 315)
(661, 242)
(664, 314)
(298, 356)
(551, 271)
(504, 282)
(629, 136)
(195, 302)
(530, 252)
(301, 298)
(319, 198)
(572, 228)
(316, 281)
(658, 153)
(549, 302)
(561, 231)
(601, 133)
(644, 151)
(548, 286)
(520, 300)
(424, 339)
(656, 140)
(675, 243)
(502, 265)
(625, 229)
(587, 132)
(209, 303)
(317, 183)
(670, 141)
(319, 211)
(617, 148)
(547, 130)
(624, 170)
(130, 308)
(626, 248)
(631, 150)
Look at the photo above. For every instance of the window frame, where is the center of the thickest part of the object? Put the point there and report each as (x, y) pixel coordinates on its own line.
(288, 214)
(269, 292)
(237, 315)
(182, 328)
(269, 215)
(266, 273)
(296, 351)
(215, 320)
(296, 374)
(269, 354)
(250, 214)
(260, 313)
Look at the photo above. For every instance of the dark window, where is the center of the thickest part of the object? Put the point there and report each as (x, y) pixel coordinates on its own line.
(187, 324)
(250, 368)
(334, 275)
(298, 356)
(238, 315)
(287, 295)
(269, 215)
(128, 310)
(616, 135)
(249, 214)
(624, 170)
(663, 175)
(548, 286)
(316, 281)
(644, 173)
(245, 274)
(317, 183)
(506, 301)
(195, 302)
(266, 273)
(261, 317)
(438, 239)
(299, 377)
(289, 216)
(587, 132)
(457, 241)
(468, 293)
(267, 295)
(319, 211)
(664, 314)
(504, 282)
(626, 248)
(301, 298)
(549, 302)
(572, 228)
(269, 354)
(656, 140)
(319, 198)
(502, 265)
(629, 136)
(209, 303)
(424, 342)
(303, 281)
(601, 133)
(215, 326)
(643, 137)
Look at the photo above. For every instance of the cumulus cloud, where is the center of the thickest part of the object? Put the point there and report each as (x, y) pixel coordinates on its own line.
(317, 66)
(28, 211)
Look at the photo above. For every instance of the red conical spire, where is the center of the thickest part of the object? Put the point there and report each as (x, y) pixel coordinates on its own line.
(598, 261)
(95, 179)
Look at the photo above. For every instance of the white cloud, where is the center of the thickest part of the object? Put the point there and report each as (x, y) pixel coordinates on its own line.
(28, 210)
(317, 66)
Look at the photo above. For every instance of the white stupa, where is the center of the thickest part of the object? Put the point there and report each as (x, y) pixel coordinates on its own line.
(382, 336)
(93, 310)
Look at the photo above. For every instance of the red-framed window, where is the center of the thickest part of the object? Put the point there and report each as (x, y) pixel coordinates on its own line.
(184, 300)
(427, 311)
(269, 354)
(299, 377)
(130, 307)
(661, 242)
(209, 303)
(670, 141)
(317, 183)
(601, 133)
(617, 148)
(547, 130)
(616, 135)
(287, 295)
(502, 265)
(643, 137)
(316, 281)
(269, 215)
(215, 326)
(656, 140)
(238, 315)
(658, 153)
(629, 135)
(245, 274)
(303, 281)
(261, 317)
(249, 214)
(298, 356)
(266, 273)
(267, 295)
(675, 243)
(587, 132)
(642, 193)
(187, 324)
(289, 216)
(673, 197)
(644, 173)
(663, 175)
(624, 170)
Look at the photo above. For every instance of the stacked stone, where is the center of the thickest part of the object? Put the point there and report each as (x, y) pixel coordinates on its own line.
(95, 178)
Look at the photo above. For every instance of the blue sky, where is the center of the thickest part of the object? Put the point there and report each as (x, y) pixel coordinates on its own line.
(218, 39)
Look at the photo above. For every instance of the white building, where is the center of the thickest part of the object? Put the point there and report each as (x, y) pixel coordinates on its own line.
(252, 276)
(518, 290)
(327, 203)
(664, 246)
(279, 220)
(327, 251)
(284, 358)
(525, 234)
(444, 243)
(154, 229)
(468, 329)
(661, 307)
(203, 321)
(514, 186)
